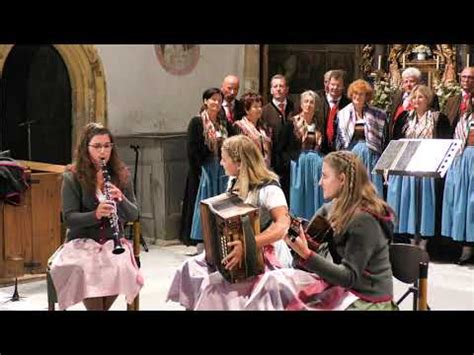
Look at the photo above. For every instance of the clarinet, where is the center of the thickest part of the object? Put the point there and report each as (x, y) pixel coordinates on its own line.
(113, 219)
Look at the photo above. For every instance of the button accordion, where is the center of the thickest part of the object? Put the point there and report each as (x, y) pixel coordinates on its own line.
(227, 218)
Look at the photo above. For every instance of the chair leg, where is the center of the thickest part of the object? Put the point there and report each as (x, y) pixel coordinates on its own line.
(410, 290)
(52, 297)
(415, 297)
(135, 305)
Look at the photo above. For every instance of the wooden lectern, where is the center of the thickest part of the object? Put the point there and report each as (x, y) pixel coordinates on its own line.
(31, 232)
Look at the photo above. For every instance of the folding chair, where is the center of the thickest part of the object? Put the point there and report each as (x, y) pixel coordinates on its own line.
(135, 236)
(410, 266)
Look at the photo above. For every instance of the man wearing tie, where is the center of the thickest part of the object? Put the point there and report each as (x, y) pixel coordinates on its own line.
(458, 105)
(280, 108)
(232, 109)
(334, 100)
(275, 114)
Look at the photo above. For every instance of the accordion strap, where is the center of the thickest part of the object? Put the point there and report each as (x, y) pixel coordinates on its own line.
(250, 246)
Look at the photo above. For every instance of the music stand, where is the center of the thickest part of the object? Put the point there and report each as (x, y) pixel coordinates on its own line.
(419, 158)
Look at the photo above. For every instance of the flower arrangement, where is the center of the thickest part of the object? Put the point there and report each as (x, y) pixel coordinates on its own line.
(445, 91)
(421, 48)
(383, 93)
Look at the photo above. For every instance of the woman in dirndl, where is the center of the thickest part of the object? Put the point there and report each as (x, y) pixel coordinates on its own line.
(206, 178)
(200, 286)
(85, 269)
(363, 129)
(357, 274)
(252, 126)
(458, 202)
(419, 123)
(301, 140)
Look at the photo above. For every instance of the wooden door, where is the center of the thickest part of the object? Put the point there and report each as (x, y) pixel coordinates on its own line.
(304, 65)
(36, 95)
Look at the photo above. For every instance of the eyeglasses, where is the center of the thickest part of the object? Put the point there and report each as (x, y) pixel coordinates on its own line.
(98, 146)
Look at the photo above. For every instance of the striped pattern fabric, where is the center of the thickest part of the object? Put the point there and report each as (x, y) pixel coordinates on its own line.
(375, 121)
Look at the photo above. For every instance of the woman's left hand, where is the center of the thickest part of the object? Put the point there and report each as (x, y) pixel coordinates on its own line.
(115, 193)
(300, 245)
(235, 256)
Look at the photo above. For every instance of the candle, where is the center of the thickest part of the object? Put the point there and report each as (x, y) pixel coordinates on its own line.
(380, 62)
(467, 59)
(437, 62)
(403, 61)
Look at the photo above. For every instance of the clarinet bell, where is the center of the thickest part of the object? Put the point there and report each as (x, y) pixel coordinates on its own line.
(118, 249)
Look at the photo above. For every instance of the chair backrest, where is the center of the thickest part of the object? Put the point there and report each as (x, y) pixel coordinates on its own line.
(405, 260)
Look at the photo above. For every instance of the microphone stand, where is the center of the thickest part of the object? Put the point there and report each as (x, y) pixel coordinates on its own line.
(16, 296)
(136, 148)
(28, 129)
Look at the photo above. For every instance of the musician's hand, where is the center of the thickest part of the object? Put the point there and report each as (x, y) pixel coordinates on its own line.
(300, 245)
(105, 209)
(235, 256)
(115, 193)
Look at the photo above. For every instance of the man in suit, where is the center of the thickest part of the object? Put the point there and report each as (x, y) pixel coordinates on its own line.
(333, 101)
(459, 104)
(280, 108)
(411, 77)
(275, 114)
(232, 109)
(323, 92)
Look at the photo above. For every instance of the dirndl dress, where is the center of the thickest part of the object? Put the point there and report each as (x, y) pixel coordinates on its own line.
(306, 196)
(213, 182)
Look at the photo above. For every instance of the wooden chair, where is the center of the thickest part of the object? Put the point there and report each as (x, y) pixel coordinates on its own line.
(410, 266)
(134, 235)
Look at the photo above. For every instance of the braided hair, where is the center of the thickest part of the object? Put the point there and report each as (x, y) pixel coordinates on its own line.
(357, 192)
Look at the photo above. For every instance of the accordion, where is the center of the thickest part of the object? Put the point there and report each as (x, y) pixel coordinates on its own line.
(227, 218)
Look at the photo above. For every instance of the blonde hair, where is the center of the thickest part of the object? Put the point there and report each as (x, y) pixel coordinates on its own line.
(425, 91)
(357, 192)
(253, 171)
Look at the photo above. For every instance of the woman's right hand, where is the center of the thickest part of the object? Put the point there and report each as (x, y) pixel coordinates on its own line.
(105, 209)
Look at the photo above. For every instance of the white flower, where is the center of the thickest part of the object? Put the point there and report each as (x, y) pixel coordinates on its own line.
(421, 49)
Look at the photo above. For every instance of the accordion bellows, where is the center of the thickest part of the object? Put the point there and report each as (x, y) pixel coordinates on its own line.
(227, 218)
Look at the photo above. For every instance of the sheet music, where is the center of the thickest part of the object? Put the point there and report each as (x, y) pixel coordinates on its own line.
(418, 157)
(429, 155)
(389, 155)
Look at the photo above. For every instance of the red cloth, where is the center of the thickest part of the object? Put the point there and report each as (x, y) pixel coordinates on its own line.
(230, 114)
(282, 108)
(465, 103)
(270, 255)
(399, 111)
(330, 124)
